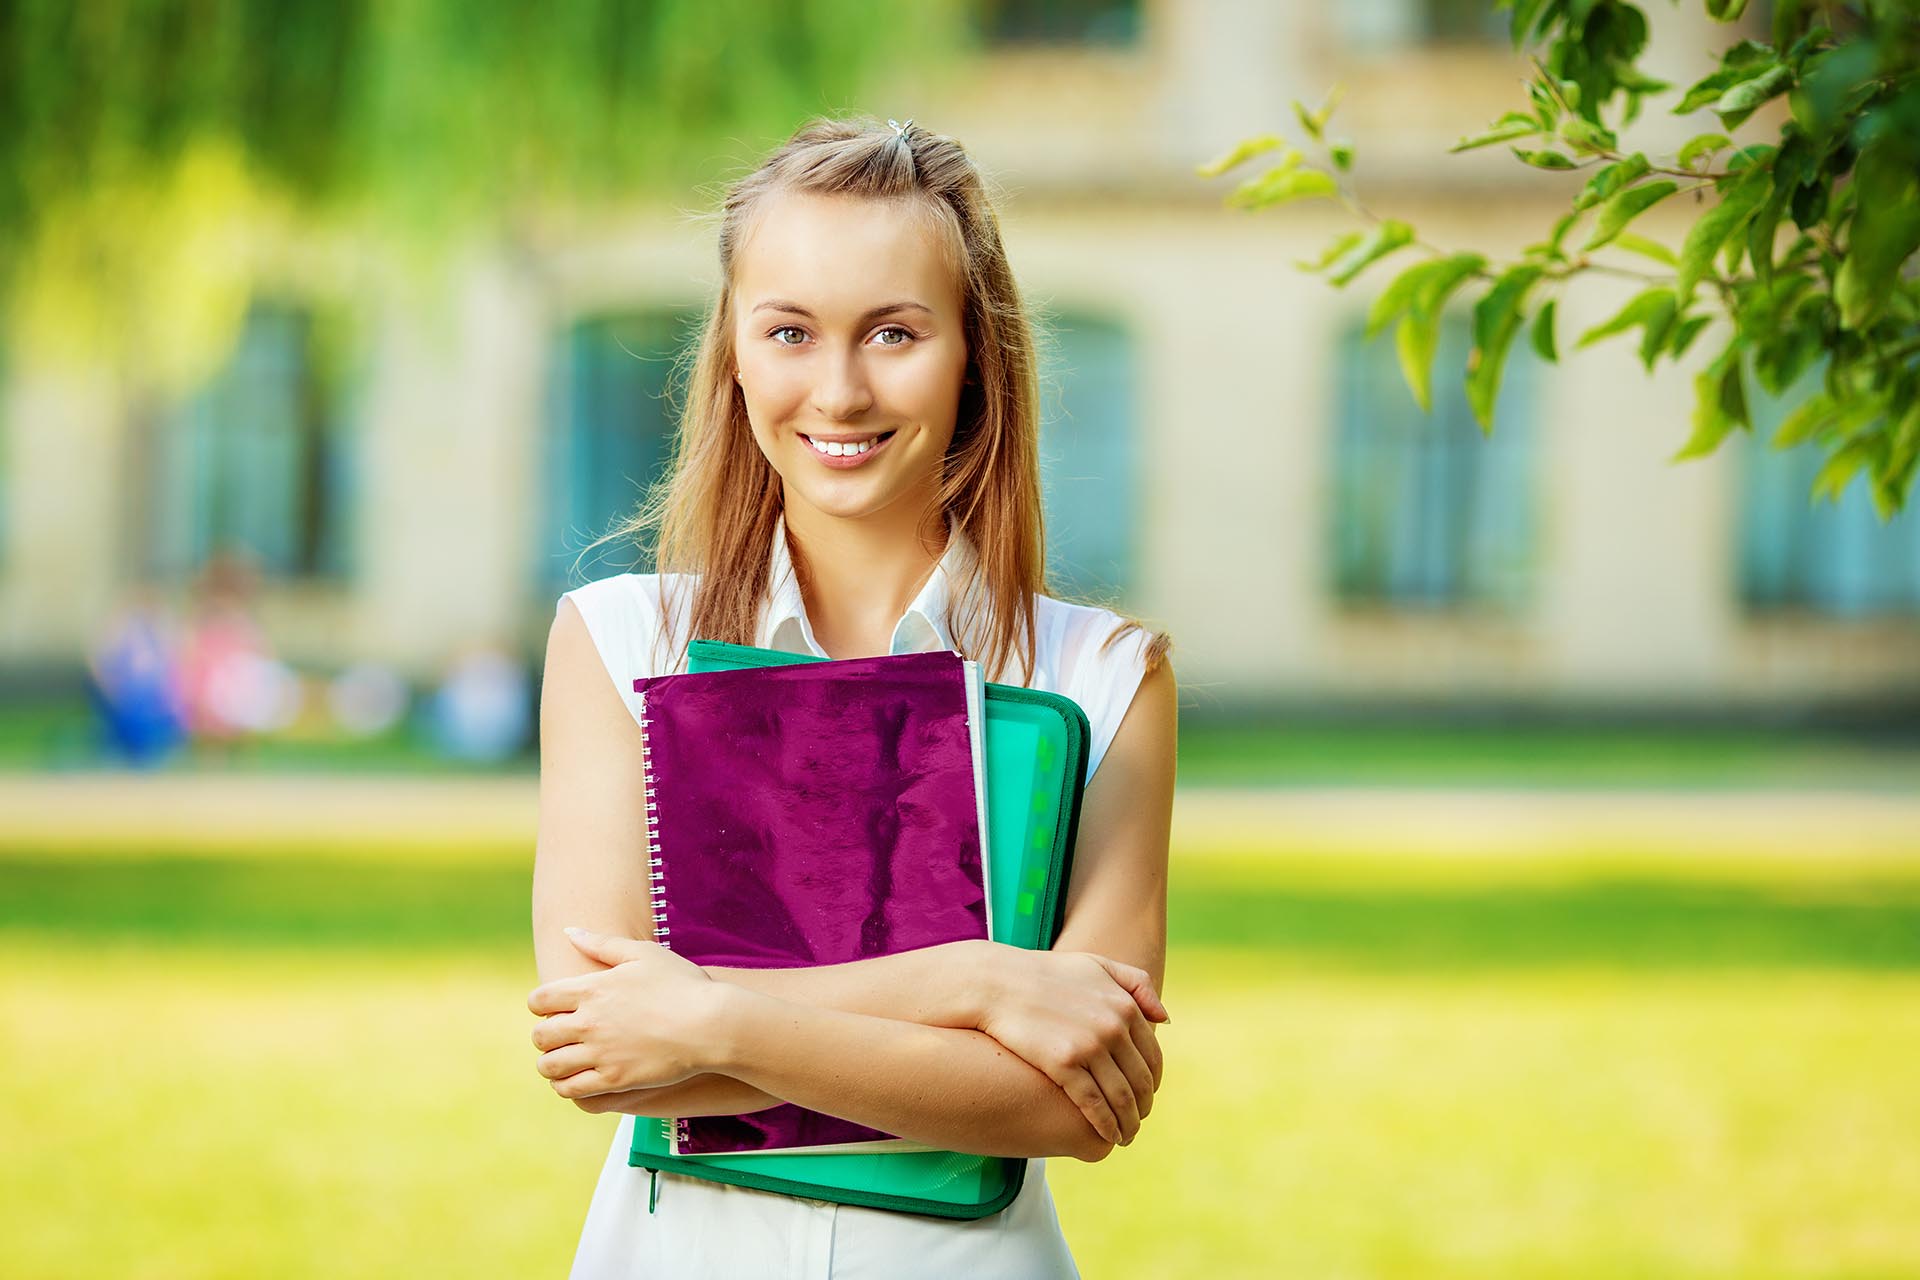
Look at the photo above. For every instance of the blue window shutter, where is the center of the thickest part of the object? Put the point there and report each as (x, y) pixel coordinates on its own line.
(1837, 559)
(1089, 457)
(258, 458)
(1428, 512)
(610, 432)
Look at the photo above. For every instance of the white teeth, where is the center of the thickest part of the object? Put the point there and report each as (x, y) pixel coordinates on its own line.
(834, 449)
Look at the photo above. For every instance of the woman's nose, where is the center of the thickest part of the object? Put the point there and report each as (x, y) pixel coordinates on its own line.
(842, 390)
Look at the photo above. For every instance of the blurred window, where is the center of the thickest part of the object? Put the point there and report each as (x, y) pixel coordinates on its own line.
(1838, 559)
(1089, 456)
(1098, 22)
(1427, 512)
(258, 458)
(610, 433)
(1380, 25)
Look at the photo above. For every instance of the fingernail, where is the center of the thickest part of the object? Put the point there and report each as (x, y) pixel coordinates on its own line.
(575, 931)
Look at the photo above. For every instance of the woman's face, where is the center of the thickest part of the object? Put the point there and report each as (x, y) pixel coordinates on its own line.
(847, 328)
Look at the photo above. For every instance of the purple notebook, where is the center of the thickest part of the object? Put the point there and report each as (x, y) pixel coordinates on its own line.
(809, 814)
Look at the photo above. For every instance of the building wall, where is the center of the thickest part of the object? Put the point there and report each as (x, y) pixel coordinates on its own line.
(1635, 582)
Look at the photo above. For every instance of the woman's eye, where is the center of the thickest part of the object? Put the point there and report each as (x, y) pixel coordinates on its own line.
(894, 328)
(785, 328)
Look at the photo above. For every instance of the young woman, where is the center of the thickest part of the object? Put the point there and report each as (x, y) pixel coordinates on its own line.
(857, 474)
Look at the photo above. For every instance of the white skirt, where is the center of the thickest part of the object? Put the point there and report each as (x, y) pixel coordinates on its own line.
(711, 1231)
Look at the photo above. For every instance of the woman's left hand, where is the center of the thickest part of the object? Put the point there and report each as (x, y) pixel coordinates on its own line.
(643, 1023)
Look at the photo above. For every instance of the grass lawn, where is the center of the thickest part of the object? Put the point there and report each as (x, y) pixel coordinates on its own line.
(309, 1068)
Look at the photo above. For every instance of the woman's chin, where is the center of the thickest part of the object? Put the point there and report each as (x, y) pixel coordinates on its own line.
(848, 499)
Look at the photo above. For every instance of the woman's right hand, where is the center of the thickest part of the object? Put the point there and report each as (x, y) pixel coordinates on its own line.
(1085, 1020)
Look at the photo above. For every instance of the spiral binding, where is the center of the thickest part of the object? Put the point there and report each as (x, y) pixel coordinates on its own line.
(673, 1130)
(656, 869)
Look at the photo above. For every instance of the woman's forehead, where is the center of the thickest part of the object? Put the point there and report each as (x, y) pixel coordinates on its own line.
(843, 255)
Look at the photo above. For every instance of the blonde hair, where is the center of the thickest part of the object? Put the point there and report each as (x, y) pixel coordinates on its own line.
(713, 514)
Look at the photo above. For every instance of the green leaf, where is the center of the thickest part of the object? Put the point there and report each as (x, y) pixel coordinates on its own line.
(1720, 404)
(1806, 421)
(1339, 245)
(1739, 197)
(1762, 232)
(1708, 89)
(1496, 318)
(1520, 127)
(1283, 183)
(1550, 247)
(1651, 308)
(1633, 242)
(1419, 332)
(1311, 124)
(1839, 470)
(1409, 287)
(1726, 10)
(1240, 154)
(1525, 15)
(1585, 136)
(1646, 306)
(1543, 333)
(1739, 102)
(1884, 233)
(1544, 159)
(1342, 155)
(1704, 144)
(1381, 241)
(1610, 179)
(1624, 206)
(1681, 338)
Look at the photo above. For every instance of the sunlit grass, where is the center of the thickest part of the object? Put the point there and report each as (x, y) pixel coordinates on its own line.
(311, 1067)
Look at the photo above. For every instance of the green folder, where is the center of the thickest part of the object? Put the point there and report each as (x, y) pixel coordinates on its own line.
(1036, 750)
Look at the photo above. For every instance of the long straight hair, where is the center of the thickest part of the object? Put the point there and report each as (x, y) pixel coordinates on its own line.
(712, 516)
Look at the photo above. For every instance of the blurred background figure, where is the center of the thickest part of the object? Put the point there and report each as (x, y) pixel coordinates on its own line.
(367, 699)
(235, 688)
(135, 680)
(481, 711)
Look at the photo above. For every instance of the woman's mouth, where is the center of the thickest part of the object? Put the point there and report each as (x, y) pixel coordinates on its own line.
(843, 454)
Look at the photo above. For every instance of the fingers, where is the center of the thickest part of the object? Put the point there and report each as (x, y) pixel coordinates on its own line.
(1149, 1046)
(583, 1084)
(1139, 985)
(551, 1033)
(1086, 1093)
(1119, 1095)
(558, 1064)
(561, 996)
(1133, 1065)
(609, 949)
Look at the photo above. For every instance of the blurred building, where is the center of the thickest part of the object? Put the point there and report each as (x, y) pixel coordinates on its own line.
(1225, 455)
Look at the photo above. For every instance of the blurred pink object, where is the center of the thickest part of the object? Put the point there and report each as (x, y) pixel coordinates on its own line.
(232, 683)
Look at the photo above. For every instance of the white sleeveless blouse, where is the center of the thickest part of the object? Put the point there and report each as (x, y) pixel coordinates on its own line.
(704, 1229)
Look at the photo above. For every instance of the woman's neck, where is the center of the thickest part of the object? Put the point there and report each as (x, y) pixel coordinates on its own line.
(858, 576)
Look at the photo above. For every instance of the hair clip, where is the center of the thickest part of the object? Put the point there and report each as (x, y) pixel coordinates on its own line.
(900, 130)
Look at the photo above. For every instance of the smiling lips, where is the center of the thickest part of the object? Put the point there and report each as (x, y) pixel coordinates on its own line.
(849, 451)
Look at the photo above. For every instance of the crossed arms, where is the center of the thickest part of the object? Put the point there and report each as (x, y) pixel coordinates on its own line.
(972, 1046)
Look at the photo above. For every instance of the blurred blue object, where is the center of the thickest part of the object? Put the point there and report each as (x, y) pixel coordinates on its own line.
(481, 711)
(134, 686)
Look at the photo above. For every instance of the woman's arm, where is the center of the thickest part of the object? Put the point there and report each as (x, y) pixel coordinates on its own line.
(586, 869)
(657, 1019)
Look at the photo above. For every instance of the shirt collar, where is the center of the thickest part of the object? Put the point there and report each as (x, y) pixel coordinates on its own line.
(926, 624)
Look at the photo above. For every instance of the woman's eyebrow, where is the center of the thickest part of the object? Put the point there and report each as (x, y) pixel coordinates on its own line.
(781, 304)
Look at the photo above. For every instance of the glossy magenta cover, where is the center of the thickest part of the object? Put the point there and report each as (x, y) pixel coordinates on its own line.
(811, 814)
